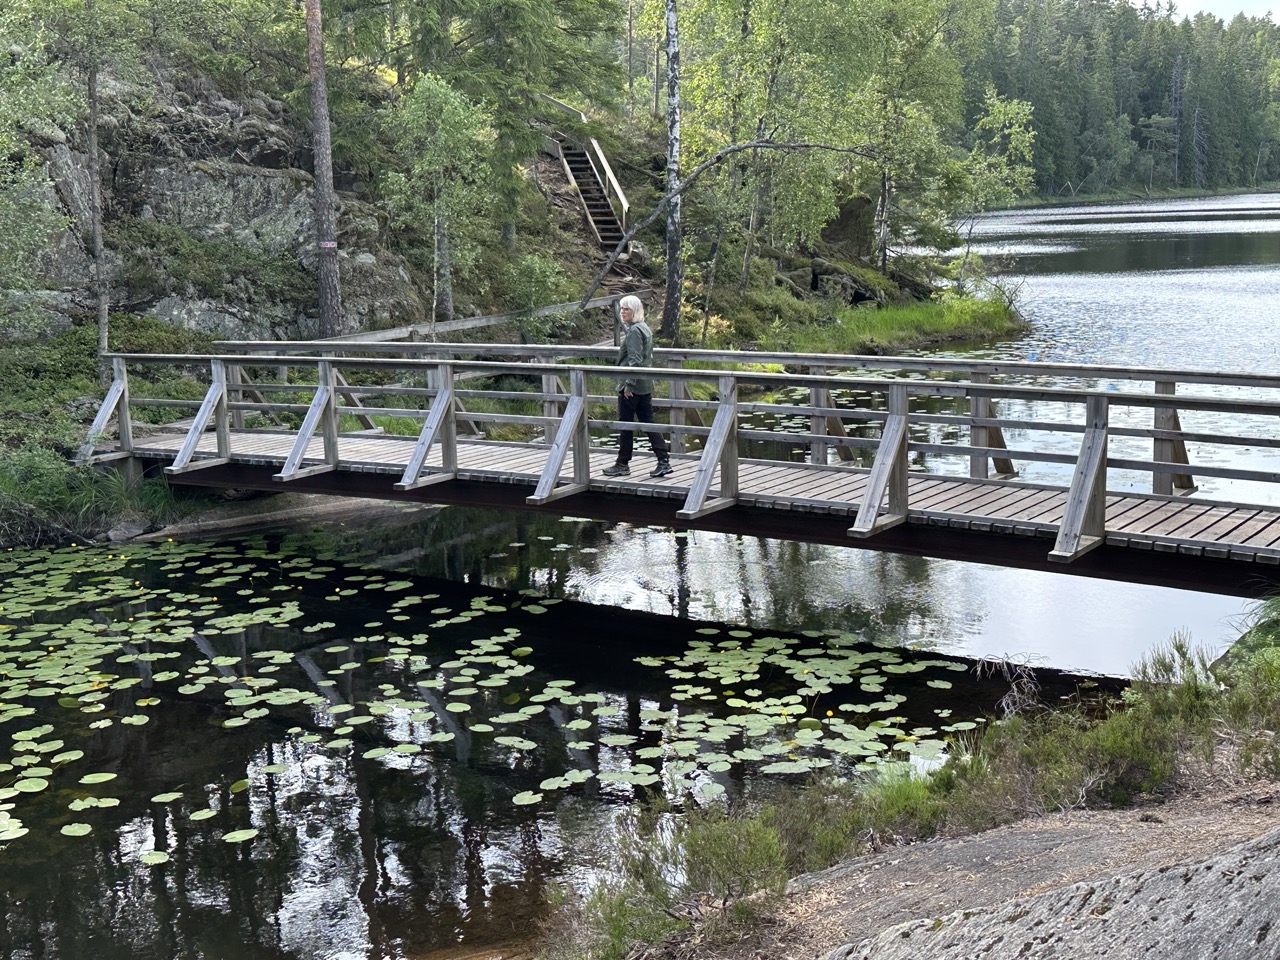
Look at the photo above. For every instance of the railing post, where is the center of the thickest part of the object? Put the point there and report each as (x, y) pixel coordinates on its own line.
(729, 452)
(581, 431)
(1169, 450)
(818, 397)
(982, 408)
(329, 418)
(720, 452)
(678, 395)
(221, 423)
(120, 373)
(550, 407)
(1084, 519)
(235, 394)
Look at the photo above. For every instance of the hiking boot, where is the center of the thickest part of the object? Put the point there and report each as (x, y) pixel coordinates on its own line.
(662, 469)
(617, 470)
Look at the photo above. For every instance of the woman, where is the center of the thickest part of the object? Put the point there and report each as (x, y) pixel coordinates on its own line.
(635, 394)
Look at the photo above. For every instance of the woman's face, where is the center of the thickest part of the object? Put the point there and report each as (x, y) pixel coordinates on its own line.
(627, 314)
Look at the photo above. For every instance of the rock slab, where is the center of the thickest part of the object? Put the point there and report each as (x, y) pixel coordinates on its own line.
(1226, 907)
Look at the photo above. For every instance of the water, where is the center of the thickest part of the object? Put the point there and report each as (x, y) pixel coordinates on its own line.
(258, 748)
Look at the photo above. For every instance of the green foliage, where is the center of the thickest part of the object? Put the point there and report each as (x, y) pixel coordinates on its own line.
(535, 280)
(162, 259)
(731, 857)
(890, 329)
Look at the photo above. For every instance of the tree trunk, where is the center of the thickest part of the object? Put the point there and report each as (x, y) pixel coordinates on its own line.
(670, 328)
(330, 290)
(101, 284)
(444, 265)
(882, 221)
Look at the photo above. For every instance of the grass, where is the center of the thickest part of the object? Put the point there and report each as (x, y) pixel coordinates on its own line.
(51, 393)
(720, 868)
(891, 329)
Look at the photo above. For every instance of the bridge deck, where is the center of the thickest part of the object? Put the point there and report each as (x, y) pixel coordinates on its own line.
(1171, 524)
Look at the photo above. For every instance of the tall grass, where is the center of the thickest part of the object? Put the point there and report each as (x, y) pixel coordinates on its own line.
(877, 331)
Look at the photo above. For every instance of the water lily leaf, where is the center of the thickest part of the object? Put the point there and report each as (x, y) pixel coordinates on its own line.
(76, 830)
(166, 797)
(204, 814)
(153, 858)
(240, 786)
(239, 836)
(940, 684)
(525, 798)
(68, 756)
(137, 720)
(91, 778)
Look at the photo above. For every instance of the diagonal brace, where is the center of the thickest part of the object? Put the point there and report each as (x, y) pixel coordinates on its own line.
(720, 452)
(441, 427)
(1083, 524)
(321, 408)
(214, 408)
(888, 472)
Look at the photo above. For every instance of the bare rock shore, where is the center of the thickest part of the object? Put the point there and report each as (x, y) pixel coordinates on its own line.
(1195, 878)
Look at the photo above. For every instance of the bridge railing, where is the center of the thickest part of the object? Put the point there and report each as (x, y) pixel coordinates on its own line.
(897, 417)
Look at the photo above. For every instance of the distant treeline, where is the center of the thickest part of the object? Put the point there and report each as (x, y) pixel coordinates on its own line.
(1126, 97)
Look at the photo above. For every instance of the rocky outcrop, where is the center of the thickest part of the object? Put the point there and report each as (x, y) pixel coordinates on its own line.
(208, 211)
(1220, 908)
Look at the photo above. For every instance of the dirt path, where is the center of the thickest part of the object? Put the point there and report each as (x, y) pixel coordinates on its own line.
(857, 899)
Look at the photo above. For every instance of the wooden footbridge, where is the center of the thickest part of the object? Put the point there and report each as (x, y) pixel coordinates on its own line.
(911, 455)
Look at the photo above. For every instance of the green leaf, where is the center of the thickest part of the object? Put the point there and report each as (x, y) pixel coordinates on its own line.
(239, 836)
(76, 830)
(91, 778)
(153, 858)
(166, 797)
(204, 814)
(525, 798)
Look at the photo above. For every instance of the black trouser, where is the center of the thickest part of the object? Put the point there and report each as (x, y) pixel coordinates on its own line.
(639, 406)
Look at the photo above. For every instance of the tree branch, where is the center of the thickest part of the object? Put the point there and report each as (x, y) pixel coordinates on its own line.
(686, 182)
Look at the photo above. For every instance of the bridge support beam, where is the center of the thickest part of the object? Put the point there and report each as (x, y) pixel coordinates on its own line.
(985, 437)
(213, 408)
(721, 451)
(323, 414)
(1083, 524)
(572, 432)
(888, 472)
(1169, 450)
(441, 427)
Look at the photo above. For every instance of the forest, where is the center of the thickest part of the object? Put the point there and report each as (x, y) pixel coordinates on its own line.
(742, 129)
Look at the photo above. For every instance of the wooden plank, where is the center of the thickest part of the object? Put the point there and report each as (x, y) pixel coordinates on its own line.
(1178, 524)
(1241, 531)
(1164, 511)
(1263, 536)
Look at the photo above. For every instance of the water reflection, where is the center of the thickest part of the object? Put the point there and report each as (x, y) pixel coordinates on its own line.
(321, 759)
(957, 608)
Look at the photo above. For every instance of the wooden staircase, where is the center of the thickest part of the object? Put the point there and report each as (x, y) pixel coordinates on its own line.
(591, 191)
(588, 172)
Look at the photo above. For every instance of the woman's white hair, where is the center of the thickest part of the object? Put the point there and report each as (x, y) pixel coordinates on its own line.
(634, 305)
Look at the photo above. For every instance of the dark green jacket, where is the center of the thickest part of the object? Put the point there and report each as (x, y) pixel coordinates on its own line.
(636, 351)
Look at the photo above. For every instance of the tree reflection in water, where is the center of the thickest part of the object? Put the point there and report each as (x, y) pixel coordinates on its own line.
(396, 724)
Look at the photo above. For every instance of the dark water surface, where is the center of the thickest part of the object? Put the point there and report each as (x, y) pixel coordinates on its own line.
(265, 748)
